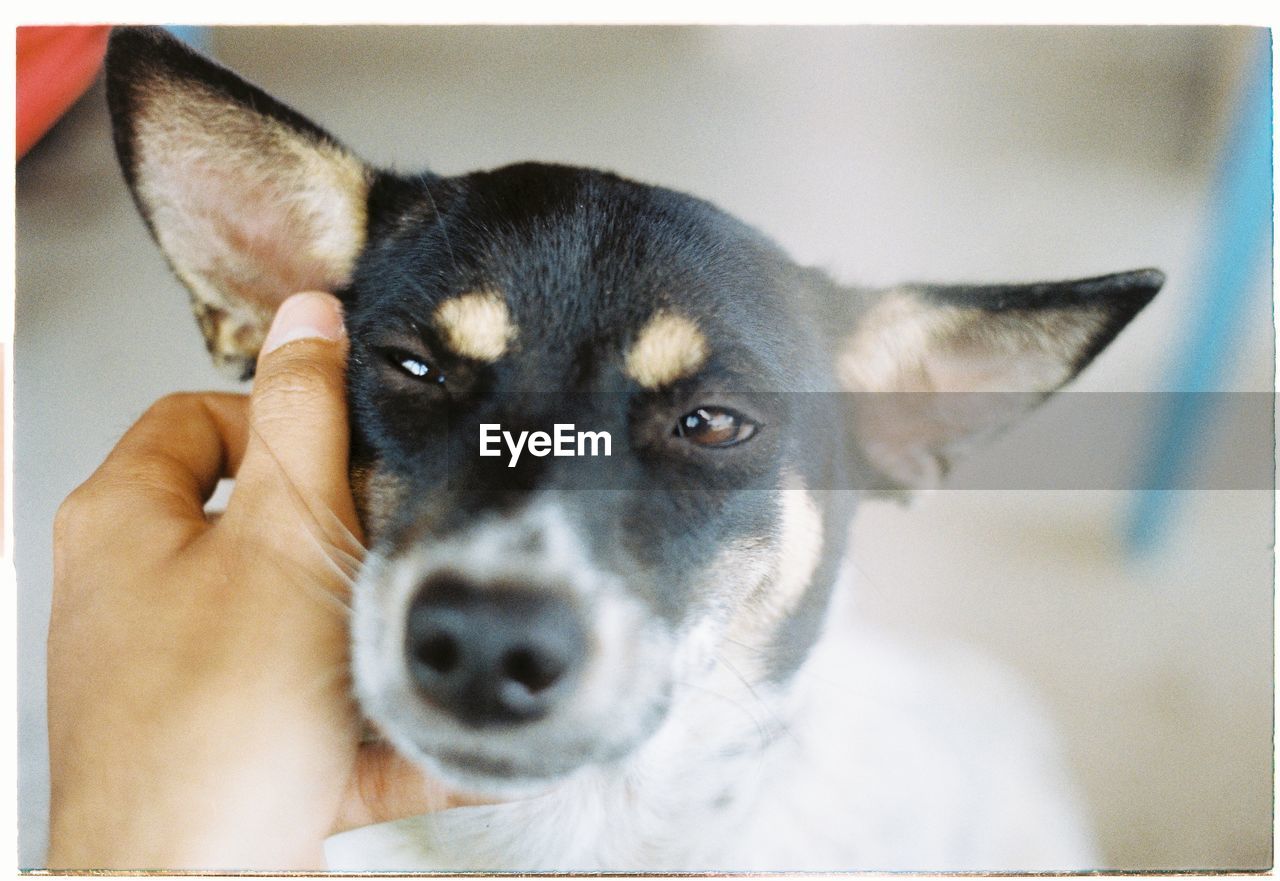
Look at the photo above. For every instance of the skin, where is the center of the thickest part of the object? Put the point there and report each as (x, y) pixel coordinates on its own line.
(187, 669)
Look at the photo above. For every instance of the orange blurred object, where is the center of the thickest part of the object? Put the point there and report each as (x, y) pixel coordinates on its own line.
(55, 67)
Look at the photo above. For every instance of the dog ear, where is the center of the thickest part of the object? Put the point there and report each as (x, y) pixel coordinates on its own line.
(249, 201)
(938, 369)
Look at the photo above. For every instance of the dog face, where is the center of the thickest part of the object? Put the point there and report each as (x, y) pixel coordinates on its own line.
(535, 296)
(524, 613)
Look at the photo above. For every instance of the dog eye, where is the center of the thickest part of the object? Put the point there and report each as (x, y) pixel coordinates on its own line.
(715, 427)
(413, 365)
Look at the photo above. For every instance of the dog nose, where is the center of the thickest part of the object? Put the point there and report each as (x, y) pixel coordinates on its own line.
(491, 655)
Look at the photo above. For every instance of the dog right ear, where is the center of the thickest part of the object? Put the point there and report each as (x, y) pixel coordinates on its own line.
(936, 369)
(249, 201)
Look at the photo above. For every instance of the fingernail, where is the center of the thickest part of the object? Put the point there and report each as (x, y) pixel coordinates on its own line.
(306, 316)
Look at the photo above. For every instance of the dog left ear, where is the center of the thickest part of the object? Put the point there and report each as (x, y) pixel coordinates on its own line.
(937, 369)
(249, 201)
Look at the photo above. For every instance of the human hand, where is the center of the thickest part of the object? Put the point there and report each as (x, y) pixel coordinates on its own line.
(200, 713)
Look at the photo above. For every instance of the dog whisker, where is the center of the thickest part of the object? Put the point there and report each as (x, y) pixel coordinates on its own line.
(440, 225)
(779, 724)
(760, 729)
(354, 549)
(756, 650)
(344, 565)
(349, 564)
(305, 578)
(343, 576)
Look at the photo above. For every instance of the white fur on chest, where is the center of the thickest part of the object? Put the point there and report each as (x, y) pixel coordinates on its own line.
(877, 758)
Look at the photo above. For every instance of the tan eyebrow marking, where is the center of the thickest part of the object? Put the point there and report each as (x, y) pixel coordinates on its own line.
(668, 348)
(476, 325)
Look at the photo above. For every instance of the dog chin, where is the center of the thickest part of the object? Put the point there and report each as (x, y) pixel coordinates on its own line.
(501, 774)
(486, 777)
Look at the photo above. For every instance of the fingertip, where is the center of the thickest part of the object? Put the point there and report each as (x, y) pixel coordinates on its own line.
(307, 315)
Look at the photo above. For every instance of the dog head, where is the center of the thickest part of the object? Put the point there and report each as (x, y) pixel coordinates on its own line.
(530, 612)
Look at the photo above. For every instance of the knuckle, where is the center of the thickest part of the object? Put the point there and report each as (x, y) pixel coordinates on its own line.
(171, 404)
(299, 381)
(69, 515)
(76, 517)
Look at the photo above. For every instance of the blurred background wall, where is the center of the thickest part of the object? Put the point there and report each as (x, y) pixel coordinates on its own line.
(881, 154)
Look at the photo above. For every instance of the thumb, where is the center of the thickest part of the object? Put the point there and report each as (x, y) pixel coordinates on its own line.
(298, 435)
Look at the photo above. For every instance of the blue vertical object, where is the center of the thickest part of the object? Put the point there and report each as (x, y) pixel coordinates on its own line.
(195, 36)
(1238, 238)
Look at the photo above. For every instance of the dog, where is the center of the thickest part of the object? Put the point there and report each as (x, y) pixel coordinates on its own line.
(639, 641)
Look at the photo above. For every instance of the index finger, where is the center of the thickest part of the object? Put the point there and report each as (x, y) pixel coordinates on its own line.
(169, 462)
